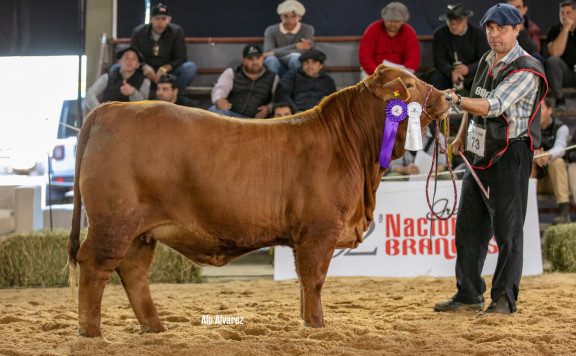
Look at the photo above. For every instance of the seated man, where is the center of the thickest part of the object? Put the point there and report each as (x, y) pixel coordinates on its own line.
(168, 90)
(529, 36)
(550, 169)
(282, 109)
(284, 42)
(164, 49)
(304, 87)
(404, 167)
(390, 39)
(562, 49)
(457, 49)
(125, 82)
(247, 91)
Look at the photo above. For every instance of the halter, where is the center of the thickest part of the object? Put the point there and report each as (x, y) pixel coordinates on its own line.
(425, 104)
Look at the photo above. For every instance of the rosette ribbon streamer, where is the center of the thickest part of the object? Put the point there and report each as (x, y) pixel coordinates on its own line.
(396, 111)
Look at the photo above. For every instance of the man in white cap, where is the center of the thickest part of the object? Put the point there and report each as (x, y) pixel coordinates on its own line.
(390, 39)
(498, 134)
(285, 41)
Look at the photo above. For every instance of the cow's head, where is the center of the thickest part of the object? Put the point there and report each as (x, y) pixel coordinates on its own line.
(392, 83)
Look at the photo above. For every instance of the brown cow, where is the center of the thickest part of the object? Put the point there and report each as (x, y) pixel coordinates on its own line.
(214, 188)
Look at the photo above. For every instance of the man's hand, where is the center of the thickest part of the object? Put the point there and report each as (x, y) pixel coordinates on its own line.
(457, 146)
(568, 24)
(304, 45)
(263, 112)
(127, 89)
(411, 169)
(223, 104)
(541, 161)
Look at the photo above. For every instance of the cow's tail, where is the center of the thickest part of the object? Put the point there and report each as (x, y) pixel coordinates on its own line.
(74, 238)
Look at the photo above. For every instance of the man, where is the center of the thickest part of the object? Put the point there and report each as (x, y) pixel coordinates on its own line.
(405, 166)
(282, 109)
(168, 90)
(390, 39)
(125, 82)
(551, 167)
(247, 91)
(457, 48)
(164, 48)
(562, 49)
(304, 87)
(284, 42)
(529, 37)
(499, 132)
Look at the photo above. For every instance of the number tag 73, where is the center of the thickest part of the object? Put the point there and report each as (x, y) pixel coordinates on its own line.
(476, 140)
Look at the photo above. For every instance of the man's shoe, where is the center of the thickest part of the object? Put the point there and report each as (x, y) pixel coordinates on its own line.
(560, 104)
(453, 305)
(563, 214)
(499, 306)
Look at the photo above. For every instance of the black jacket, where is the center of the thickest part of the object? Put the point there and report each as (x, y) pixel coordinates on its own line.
(304, 92)
(172, 46)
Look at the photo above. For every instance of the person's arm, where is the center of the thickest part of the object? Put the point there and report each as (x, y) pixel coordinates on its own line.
(526, 41)
(459, 142)
(178, 47)
(439, 51)
(93, 93)
(560, 142)
(367, 48)
(274, 87)
(223, 86)
(141, 93)
(557, 45)
(286, 87)
(412, 53)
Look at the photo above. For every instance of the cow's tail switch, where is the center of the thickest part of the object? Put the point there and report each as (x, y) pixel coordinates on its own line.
(74, 239)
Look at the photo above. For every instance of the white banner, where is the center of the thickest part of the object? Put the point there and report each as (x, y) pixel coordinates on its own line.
(397, 243)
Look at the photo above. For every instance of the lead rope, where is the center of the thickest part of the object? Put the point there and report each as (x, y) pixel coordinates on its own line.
(445, 151)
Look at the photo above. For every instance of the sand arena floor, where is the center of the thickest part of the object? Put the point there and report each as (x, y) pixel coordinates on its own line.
(365, 316)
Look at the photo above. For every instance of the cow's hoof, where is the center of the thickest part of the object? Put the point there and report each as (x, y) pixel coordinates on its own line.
(314, 325)
(147, 329)
(82, 332)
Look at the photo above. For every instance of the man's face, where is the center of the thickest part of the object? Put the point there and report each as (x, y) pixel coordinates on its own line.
(159, 23)
(253, 65)
(457, 26)
(501, 38)
(129, 61)
(392, 27)
(165, 92)
(290, 20)
(282, 111)
(519, 4)
(546, 115)
(567, 12)
(312, 67)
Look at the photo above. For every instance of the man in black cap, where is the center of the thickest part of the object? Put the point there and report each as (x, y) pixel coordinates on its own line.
(304, 87)
(499, 133)
(164, 48)
(125, 82)
(248, 90)
(457, 48)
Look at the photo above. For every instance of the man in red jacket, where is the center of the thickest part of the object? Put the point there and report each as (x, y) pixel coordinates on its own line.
(390, 39)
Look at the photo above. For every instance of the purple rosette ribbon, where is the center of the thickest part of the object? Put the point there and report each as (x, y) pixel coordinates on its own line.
(396, 111)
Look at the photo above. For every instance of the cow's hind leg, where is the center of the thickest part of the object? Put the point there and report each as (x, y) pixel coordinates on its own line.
(312, 261)
(97, 258)
(134, 272)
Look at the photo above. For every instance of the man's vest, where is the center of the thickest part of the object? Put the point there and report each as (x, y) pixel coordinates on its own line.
(247, 95)
(549, 134)
(112, 91)
(496, 134)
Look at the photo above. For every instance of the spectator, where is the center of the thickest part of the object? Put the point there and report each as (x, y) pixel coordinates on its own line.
(247, 91)
(168, 90)
(562, 49)
(570, 158)
(404, 166)
(125, 82)
(282, 109)
(164, 48)
(529, 36)
(284, 42)
(391, 40)
(457, 48)
(304, 87)
(550, 169)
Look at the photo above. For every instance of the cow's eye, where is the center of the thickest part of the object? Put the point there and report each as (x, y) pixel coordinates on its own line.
(408, 86)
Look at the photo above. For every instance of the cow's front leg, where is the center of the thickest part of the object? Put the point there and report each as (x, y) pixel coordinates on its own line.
(134, 272)
(313, 260)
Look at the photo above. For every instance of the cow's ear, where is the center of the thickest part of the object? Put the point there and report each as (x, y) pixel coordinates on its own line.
(394, 89)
